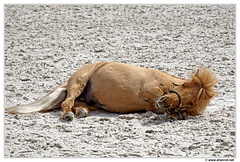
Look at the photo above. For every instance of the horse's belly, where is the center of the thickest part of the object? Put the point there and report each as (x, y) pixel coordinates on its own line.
(118, 99)
(119, 89)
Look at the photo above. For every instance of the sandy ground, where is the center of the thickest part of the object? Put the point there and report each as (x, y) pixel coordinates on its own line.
(45, 44)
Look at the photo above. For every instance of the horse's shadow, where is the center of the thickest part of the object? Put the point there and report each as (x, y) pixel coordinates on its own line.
(145, 117)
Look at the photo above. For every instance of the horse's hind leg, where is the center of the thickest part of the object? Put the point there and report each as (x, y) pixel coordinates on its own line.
(74, 89)
(67, 107)
(81, 109)
(68, 104)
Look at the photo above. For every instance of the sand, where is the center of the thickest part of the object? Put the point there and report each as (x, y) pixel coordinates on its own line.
(45, 44)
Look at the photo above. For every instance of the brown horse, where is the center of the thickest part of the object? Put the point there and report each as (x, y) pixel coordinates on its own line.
(123, 88)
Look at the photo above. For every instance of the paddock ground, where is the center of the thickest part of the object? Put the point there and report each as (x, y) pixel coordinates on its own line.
(45, 44)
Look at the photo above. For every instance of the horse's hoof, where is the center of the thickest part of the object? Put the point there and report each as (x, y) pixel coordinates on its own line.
(181, 116)
(172, 119)
(68, 116)
(81, 113)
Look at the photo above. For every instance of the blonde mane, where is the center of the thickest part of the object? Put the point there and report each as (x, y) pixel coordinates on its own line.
(205, 79)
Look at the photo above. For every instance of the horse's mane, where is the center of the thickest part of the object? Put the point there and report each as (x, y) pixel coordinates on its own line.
(205, 79)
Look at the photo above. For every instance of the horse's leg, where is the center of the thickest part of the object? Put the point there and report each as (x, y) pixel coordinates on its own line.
(69, 103)
(81, 109)
(74, 89)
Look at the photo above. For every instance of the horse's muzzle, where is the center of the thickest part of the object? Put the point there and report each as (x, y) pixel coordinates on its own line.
(161, 104)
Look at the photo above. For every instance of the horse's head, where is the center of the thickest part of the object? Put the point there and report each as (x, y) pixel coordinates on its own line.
(193, 95)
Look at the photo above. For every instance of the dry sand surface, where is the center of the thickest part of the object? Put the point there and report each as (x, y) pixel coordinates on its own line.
(45, 44)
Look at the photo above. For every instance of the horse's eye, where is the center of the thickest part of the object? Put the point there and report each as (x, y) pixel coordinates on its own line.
(183, 84)
(190, 103)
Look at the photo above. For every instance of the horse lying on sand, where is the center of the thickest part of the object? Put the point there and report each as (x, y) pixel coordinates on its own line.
(123, 88)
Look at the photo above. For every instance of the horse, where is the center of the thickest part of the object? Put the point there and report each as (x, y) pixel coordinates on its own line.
(124, 88)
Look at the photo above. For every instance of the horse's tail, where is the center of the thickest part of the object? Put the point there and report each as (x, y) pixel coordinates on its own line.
(49, 102)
